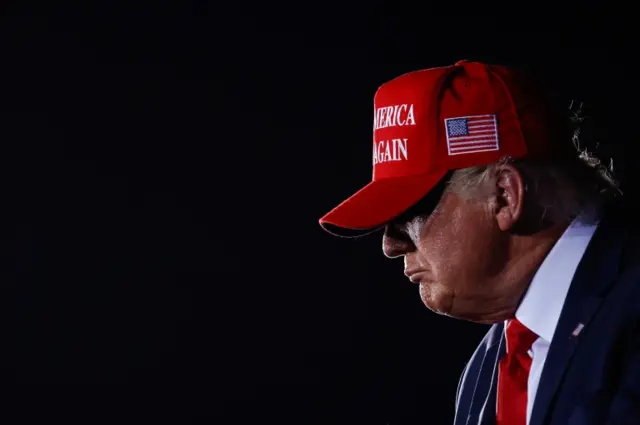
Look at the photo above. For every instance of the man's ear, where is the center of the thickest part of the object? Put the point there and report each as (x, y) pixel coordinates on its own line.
(510, 193)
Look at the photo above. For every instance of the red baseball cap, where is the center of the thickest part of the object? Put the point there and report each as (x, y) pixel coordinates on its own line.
(432, 121)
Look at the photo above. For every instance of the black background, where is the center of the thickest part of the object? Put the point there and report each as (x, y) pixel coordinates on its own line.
(165, 167)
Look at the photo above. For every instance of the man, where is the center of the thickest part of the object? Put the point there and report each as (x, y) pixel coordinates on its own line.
(499, 221)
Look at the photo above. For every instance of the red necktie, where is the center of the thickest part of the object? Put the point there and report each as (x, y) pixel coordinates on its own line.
(513, 375)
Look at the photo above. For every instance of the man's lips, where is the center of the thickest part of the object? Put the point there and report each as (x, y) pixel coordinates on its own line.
(414, 275)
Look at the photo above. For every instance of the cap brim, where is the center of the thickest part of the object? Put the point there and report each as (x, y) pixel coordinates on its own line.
(378, 203)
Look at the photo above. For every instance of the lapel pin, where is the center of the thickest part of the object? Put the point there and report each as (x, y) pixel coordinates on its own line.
(577, 330)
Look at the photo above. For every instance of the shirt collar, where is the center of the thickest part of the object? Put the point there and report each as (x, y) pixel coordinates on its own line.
(542, 304)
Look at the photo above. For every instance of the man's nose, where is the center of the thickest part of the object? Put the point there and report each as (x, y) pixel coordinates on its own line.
(393, 247)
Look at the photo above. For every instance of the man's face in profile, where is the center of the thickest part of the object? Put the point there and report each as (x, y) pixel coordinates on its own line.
(454, 250)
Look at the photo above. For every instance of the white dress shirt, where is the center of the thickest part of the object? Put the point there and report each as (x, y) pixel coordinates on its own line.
(540, 307)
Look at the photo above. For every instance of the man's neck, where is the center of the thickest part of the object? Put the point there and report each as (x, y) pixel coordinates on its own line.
(527, 254)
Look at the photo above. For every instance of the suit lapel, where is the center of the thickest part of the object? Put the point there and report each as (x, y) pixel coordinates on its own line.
(598, 268)
(488, 412)
(478, 382)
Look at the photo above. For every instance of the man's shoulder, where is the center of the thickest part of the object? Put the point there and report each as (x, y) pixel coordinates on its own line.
(623, 224)
(607, 280)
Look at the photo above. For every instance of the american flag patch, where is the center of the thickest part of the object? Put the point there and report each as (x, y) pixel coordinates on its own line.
(477, 133)
(577, 330)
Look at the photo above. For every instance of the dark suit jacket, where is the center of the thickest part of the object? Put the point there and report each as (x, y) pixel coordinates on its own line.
(592, 378)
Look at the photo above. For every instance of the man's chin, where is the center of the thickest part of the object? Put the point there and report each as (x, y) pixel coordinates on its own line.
(436, 301)
(444, 306)
(437, 306)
